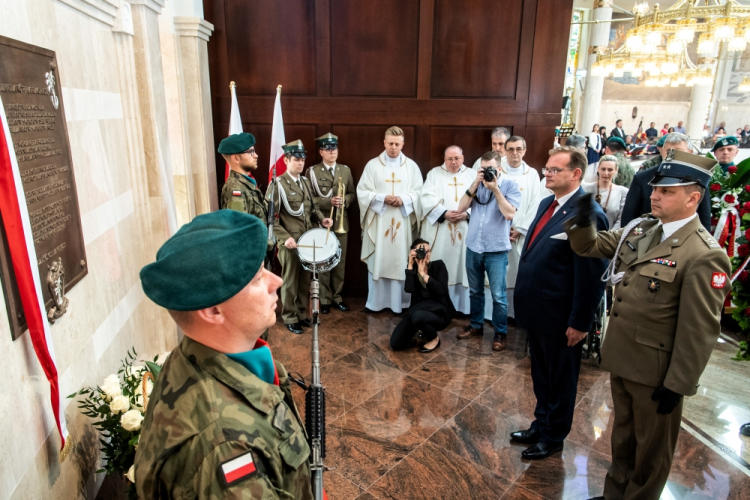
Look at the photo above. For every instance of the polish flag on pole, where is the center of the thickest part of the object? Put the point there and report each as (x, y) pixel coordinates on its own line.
(277, 139)
(15, 215)
(235, 123)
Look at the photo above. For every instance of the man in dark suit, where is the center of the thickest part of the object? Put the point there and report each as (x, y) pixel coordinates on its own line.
(618, 131)
(557, 293)
(638, 201)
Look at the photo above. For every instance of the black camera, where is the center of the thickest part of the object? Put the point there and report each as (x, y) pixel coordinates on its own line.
(489, 173)
(421, 253)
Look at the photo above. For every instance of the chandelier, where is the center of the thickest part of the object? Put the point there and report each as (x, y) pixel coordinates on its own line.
(656, 47)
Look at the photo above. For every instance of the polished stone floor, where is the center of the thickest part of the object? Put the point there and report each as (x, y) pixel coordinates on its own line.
(405, 425)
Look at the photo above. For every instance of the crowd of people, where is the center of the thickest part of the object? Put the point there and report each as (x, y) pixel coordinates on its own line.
(490, 241)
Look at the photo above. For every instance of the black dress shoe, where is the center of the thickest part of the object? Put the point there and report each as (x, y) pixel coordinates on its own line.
(341, 306)
(423, 349)
(529, 436)
(745, 430)
(294, 328)
(597, 498)
(541, 450)
(325, 308)
(305, 322)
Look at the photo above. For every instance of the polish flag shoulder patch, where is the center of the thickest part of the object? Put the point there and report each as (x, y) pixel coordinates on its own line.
(240, 467)
(718, 280)
(236, 193)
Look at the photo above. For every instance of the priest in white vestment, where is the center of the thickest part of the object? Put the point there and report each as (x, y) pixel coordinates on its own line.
(443, 226)
(527, 179)
(389, 213)
(498, 138)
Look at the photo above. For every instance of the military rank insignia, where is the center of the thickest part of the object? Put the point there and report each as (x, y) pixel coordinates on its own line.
(638, 231)
(664, 262)
(653, 285)
(238, 468)
(718, 280)
(236, 193)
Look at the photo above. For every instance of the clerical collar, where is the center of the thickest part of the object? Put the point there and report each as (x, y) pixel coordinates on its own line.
(388, 159)
(515, 170)
(671, 227)
(460, 169)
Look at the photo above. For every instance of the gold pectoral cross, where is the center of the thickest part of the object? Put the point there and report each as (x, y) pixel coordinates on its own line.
(455, 185)
(393, 181)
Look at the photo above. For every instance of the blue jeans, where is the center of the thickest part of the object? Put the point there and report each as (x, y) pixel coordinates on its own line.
(495, 264)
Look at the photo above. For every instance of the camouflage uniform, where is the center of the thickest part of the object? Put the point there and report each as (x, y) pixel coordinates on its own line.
(625, 171)
(651, 162)
(206, 410)
(242, 195)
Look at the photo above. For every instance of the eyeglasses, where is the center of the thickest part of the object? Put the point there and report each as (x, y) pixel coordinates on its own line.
(250, 151)
(514, 150)
(455, 158)
(553, 171)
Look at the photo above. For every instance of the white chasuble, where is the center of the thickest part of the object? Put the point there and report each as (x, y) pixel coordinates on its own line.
(527, 179)
(441, 192)
(387, 232)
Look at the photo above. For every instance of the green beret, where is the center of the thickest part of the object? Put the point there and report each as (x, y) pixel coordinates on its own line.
(295, 148)
(236, 144)
(207, 262)
(660, 142)
(327, 139)
(616, 139)
(729, 140)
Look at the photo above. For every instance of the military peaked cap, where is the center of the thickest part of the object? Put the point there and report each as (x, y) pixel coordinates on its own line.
(327, 139)
(295, 148)
(207, 262)
(729, 140)
(236, 144)
(682, 169)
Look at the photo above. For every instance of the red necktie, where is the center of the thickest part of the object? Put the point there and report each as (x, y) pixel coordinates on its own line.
(545, 218)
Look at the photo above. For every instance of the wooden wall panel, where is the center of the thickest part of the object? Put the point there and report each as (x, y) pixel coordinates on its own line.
(271, 43)
(475, 141)
(374, 47)
(446, 72)
(477, 45)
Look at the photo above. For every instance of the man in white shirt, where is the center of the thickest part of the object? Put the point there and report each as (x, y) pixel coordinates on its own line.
(389, 213)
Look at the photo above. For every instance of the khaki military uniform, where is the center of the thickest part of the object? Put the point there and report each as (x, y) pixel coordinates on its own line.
(295, 290)
(207, 410)
(324, 183)
(242, 195)
(663, 326)
(625, 171)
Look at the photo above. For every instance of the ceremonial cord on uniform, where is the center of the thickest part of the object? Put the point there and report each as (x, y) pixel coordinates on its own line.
(282, 195)
(317, 188)
(609, 273)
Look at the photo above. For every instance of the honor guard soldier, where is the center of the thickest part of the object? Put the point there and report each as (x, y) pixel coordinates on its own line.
(221, 422)
(333, 191)
(297, 212)
(241, 192)
(671, 278)
(725, 150)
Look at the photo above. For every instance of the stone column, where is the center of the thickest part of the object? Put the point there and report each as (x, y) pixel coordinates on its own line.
(720, 87)
(700, 100)
(194, 33)
(153, 106)
(592, 94)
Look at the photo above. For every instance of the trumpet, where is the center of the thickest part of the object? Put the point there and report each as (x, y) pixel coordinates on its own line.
(341, 191)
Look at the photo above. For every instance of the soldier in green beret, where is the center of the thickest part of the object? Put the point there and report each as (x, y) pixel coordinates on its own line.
(325, 178)
(625, 172)
(221, 421)
(241, 192)
(725, 150)
(297, 213)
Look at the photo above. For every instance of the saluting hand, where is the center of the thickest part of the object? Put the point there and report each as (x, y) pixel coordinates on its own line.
(585, 210)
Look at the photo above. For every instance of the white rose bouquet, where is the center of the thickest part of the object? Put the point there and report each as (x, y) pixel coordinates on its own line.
(117, 406)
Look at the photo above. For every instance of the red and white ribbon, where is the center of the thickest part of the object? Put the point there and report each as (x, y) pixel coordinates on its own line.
(15, 215)
(728, 228)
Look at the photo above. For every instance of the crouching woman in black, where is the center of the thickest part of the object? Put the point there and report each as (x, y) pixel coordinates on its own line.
(431, 309)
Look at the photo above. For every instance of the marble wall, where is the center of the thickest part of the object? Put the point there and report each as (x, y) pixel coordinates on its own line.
(135, 85)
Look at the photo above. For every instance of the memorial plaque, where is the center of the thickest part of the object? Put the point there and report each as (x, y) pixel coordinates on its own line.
(32, 99)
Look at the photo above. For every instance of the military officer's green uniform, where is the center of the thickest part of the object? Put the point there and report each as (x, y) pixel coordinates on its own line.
(294, 291)
(663, 326)
(217, 426)
(325, 181)
(729, 140)
(241, 192)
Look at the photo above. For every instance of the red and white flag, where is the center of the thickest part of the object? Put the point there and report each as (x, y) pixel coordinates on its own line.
(277, 139)
(235, 124)
(15, 215)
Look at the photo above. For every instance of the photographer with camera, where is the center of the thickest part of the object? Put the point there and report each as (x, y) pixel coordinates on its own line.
(493, 202)
(431, 308)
